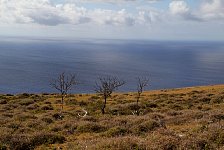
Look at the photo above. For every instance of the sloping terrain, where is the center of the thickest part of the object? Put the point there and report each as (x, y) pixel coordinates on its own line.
(187, 118)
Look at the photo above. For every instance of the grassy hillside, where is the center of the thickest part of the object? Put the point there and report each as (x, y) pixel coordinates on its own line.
(188, 118)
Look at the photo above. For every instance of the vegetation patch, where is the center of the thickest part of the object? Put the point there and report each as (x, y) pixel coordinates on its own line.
(90, 127)
(176, 119)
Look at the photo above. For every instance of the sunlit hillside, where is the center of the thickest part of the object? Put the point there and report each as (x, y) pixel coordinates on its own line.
(188, 118)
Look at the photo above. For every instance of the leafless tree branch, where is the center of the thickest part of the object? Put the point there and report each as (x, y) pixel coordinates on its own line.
(142, 82)
(106, 86)
(63, 83)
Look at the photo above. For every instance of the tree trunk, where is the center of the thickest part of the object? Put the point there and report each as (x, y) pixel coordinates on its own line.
(137, 107)
(137, 100)
(62, 102)
(104, 105)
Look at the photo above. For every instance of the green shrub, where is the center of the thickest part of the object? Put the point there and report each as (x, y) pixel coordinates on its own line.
(2, 97)
(218, 99)
(32, 107)
(29, 142)
(174, 113)
(89, 118)
(19, 142)
(116, 131)
(47, 107)
(3, 147)
(71, 102)
(196, 144)
(205, 99)
(47, 103)
(217, 117)
(176, 107)
(94, 97)
(151, 105)
(3, 101)
(215, 134)
(24, 95)
(56, 128)
(57, 116)
(34, 124)
(26, 102)
(145, 127)
(120, 143)
(25, 116)
(47, 138)
(45, 93)
(83, 103)
(90, 127)
(47, 120)
(70, 128)
(14, 126)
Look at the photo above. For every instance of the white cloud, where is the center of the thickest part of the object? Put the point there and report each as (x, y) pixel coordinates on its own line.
(212, 9)
(40, 12)
(149, 16)
(61, 17)
(110, 17)
(122, 17)
(45, 12)
(208, 10)
(114, 1)
(179, 8)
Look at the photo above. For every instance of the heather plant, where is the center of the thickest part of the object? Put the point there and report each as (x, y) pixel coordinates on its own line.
(182, 119)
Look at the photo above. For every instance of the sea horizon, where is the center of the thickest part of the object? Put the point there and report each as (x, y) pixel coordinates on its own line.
(28, 65)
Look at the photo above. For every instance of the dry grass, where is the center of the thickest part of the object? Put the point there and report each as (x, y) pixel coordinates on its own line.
(175, 119)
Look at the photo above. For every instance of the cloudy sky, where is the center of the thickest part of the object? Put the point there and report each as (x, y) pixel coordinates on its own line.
(114, 19)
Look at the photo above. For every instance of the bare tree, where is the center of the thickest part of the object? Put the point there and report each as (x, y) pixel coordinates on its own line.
(142, 82)
(106, 86)
(63, 84)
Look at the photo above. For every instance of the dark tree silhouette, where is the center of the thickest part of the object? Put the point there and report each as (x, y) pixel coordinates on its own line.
(142, 82)
(63, 83)
(106, 86)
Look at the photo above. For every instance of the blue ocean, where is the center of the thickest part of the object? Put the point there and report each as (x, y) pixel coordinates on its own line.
(28, 65)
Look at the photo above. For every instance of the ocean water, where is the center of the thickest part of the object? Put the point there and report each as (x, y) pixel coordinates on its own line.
(29, 65)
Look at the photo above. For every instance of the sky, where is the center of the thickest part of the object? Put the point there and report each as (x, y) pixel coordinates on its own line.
(201, 20)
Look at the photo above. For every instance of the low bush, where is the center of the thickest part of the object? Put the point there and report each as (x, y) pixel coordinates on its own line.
(29, 142)
(71, 102)
(94, 97)
(89, 118)
(47, 120)
(120, 143)
(24, 95)
(205, 99)
(195, 143)
(58, 116)
(32, 107)
(116, 131)
(90, 127)
(47, 107)
(176, 107)
(151, 105)
(145, 127)
(26, 102)
(56, 128)
(37, 124)
(3, 101)
(217, 99)
(83, 103)
(3, 147)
